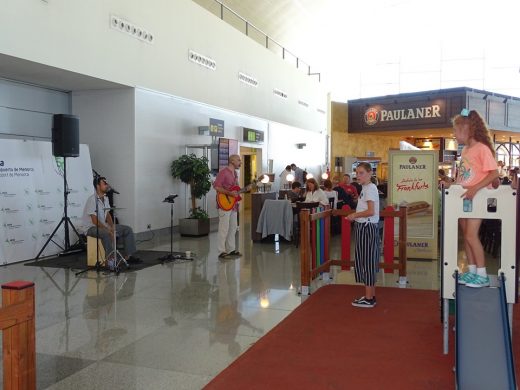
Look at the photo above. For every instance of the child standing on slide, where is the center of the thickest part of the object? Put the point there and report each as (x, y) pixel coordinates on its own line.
(366, 233)
(478, 169)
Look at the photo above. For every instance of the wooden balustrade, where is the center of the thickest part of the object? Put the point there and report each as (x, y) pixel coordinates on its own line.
(18, 336)
(311, 271)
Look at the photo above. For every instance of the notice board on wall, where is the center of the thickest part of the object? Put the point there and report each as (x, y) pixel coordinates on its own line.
(226, 147)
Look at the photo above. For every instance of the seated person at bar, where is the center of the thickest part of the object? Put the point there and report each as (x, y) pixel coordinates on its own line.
(314, 193)
(294, 194)
(330, 193)
(350, 188)
(343, 197)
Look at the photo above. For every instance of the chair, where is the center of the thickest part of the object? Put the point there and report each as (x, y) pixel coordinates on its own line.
(296, 219)
(91, 251)
(335, 221)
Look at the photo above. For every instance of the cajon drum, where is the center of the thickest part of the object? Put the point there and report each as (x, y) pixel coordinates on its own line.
(91, 251)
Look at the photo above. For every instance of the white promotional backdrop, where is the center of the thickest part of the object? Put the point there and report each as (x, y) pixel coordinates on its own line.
(31, 197)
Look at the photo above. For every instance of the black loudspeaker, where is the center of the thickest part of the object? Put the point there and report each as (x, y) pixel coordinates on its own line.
(65, 135)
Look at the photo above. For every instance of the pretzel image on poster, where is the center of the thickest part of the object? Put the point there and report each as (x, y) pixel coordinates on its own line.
(417, 207)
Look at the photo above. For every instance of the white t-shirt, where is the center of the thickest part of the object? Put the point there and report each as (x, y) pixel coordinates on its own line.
(317, 196)
(90, 209)
(283, 178)
(368, 192)
(332, 194)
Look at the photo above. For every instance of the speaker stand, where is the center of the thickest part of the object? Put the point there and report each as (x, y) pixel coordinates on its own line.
(65, 220)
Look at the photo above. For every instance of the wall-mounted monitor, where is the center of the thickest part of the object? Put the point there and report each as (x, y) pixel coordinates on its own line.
(252, 135)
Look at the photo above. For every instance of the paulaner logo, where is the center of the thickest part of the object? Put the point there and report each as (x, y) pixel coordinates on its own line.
(373, 116)
(413, 164)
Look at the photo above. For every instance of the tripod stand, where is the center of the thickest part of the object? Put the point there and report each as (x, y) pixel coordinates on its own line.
(65, 220)
(115, 256)
(171, 200)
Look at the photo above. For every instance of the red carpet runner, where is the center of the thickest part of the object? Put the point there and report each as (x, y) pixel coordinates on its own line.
(328, 344)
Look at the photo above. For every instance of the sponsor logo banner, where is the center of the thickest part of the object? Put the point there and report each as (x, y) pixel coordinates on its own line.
(31, 197)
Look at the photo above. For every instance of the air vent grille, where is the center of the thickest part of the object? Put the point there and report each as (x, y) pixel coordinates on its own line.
(202, 60)
(122, 25)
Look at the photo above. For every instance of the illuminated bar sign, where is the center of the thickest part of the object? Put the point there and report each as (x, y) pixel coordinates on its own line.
(431, 109)
(424, 110)
(252, 135)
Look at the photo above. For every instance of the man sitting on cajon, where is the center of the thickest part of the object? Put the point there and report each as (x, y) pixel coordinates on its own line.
(105, 224)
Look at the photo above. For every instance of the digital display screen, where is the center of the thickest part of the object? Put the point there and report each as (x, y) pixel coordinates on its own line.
(252, 135)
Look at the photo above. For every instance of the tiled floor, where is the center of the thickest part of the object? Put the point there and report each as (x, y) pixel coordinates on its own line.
(171, 326)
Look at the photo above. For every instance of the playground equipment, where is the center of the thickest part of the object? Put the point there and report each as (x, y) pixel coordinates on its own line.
(483, 317)
(315, 243)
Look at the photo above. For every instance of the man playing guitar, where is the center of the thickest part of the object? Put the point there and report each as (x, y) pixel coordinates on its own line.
(226, 179)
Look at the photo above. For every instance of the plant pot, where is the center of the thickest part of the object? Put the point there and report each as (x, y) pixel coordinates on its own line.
(191, 227)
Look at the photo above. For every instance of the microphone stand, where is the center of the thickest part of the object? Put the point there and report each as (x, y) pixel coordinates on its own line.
(171, 200)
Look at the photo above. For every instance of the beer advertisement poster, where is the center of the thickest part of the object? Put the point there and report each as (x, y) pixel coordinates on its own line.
(413, 183)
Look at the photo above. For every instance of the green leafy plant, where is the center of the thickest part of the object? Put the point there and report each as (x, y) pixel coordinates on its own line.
(198, 213)
(193, 171)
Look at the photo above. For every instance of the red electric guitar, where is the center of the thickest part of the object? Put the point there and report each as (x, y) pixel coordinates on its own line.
(227, 202)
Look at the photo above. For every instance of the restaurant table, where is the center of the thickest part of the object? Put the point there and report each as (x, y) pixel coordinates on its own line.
(276, 217)
(257, 202)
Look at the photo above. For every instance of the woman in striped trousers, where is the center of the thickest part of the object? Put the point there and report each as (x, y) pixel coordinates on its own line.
(366, 233)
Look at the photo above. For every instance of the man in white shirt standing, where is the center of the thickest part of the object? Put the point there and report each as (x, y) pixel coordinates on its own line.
(298, 173)
(98, 220)
(284, 183)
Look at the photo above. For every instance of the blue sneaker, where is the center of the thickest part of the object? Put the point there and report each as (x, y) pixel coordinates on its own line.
(478, 281)
(466, 277)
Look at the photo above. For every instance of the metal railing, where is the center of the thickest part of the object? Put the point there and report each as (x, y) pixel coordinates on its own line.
(234, 19)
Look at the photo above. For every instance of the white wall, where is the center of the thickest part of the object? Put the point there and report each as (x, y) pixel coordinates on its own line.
(164, 125)
(76, 35)
(26, 110)
(134, 135)
(106, 124)
(283, 150)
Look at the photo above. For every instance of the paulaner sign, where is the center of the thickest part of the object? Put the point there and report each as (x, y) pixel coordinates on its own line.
(373, 116)
(399, 114)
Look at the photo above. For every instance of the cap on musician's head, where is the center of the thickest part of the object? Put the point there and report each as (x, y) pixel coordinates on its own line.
(98, 180)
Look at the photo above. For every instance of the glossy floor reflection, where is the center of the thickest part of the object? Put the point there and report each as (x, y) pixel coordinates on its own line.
(171, 326)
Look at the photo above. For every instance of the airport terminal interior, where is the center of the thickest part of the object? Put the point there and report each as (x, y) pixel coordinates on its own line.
(322, 85)
(175, 325)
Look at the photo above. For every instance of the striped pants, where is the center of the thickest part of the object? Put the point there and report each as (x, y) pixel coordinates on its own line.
(367, 252)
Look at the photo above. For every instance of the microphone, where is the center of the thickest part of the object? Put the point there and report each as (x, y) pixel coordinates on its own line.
(112, 190)
(170, 198)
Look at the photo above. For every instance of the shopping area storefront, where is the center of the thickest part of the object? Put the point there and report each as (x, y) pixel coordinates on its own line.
(424, 120)
(375, 129)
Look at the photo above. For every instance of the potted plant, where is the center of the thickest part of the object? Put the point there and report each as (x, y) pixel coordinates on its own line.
(193, 171)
